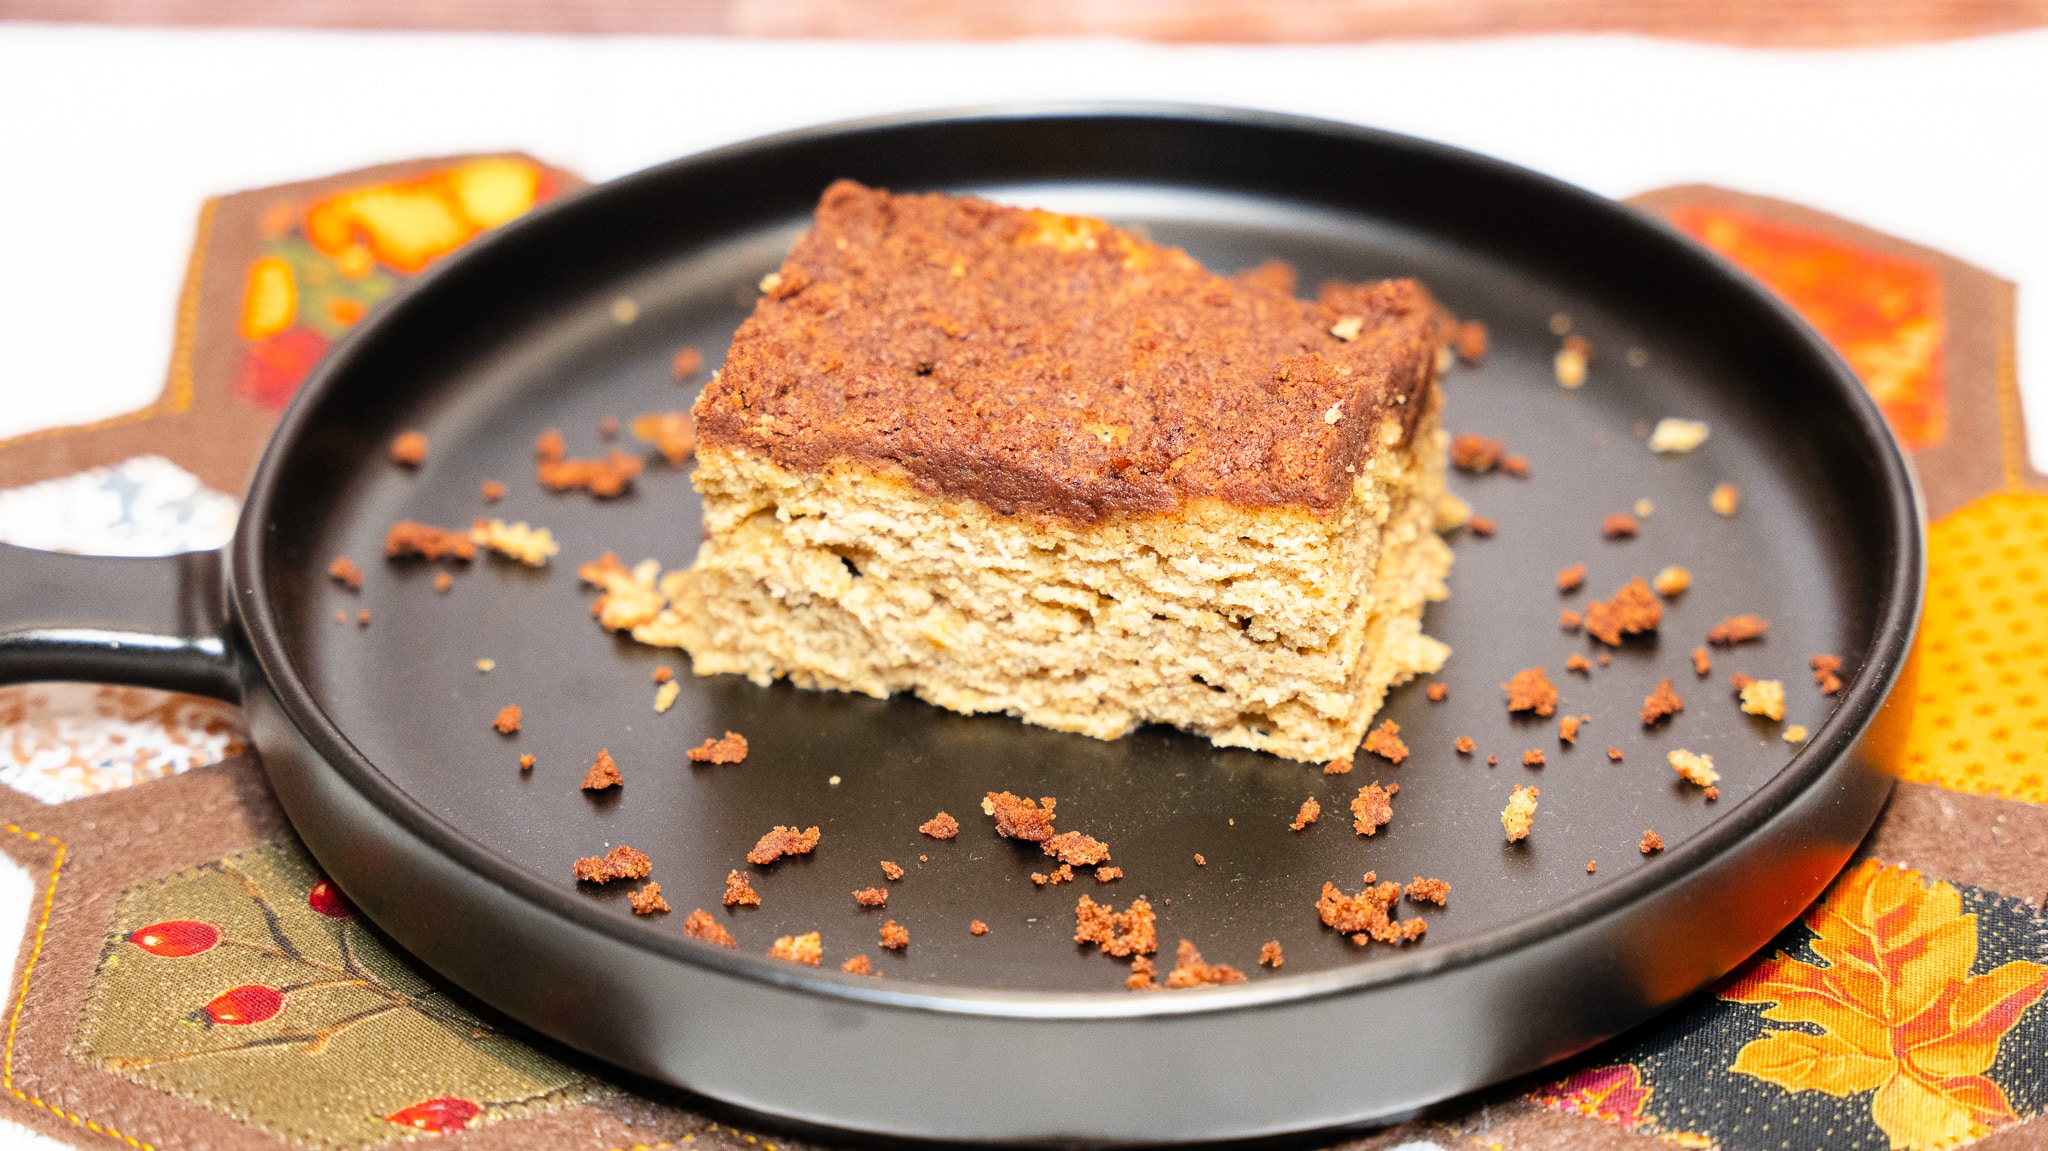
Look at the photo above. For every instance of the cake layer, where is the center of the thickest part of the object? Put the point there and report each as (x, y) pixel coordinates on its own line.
(1053, 365)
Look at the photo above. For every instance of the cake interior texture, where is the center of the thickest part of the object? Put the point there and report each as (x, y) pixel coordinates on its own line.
(1025, 463)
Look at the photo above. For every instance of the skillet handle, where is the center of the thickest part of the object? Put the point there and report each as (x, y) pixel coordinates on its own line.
(159, 621)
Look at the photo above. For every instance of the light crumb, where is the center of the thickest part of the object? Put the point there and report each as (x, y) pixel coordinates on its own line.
(1694, 769)
(1724, 499)
(1674, 435)
(1569, 365)
(1520, 814)
(1795, 734)
(807, 949)
(1765, 697)
(665, 695)
(529, 545)
(1347, 328)
(1644, 509)
(1672, 581)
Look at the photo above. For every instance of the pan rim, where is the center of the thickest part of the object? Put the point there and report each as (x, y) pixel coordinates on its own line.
(1896, 617)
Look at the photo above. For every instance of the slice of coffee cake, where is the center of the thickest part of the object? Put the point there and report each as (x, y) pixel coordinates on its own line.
(1023, 462)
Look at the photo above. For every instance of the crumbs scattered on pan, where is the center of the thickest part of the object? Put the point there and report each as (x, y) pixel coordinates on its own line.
(507, 721)
(344, 571)
(1632, 610)
(1429, 891)
(1309, 813)
(728, 748)
(425, 541)
(940, 826)
(1661, 703)
(1531, 690)
(1651, 841)
(895, 936)
(1385, 742)
(739, 890)
(1018, 817)
(699, 925)
(1338, 766)
(603, 774)
(647, 900)
(1569, 579)
(409, 449)
(1519, 816)
(620, 862)
(807, 949)
(1189, 970)
(1373, 807)
(1826, 669)
(783, 841)
(1619, 526)
(1737, 629)
(1694, 769)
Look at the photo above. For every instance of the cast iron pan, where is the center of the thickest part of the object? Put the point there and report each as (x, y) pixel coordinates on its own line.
(378, 739)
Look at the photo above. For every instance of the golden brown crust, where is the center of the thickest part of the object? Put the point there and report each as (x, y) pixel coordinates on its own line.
(620, 862)
(1053, 365)
(783, 841)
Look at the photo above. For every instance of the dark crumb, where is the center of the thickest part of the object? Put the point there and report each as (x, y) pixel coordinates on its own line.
(1309, 813)
(1474, 453)
(1738, 681)
(1578, 663)
(871, 897)
(620, 862)
(548, 446)
(1613, 754)
(1364, 916)
(895, 937)
(924, 859)
(1199, 861)
(940, 826)
(977, 928)
(1438, 692)
(1516, 466)
(1373, 808)
(729, 748)
(608, 427)
(1464, 745)
(410, 449)
(1481, 526)
(1569, 620)
(1077, 849)
(526, 762)
(1140, 978)
(892, 871)
(806, 948)
(1825, 668)
(443, 581)
(647, 900)
(1531, 690)
(1269, 954)
(1619, 526)
(1712, 794)
(493, 491)
(1020, 818)
(1190, 971)
(1737, 629)
(739, 890)
(783, 841)
(664, 673)
(363, 618)
(1338, 766)
(1630, 611)
(1603, 659)
(687, 362)
(1106, 874)
(673, 434)
(1660, 703)
(1064, 873)
(1429, 891)
(1568, 727)
(407, 538)
(858, 965)
(1702, 663)
(1471, 345)
(1385, 742)
(1134, 931)
(1569, 579)
(507, 721)
(602, 774)
(606, 477)
(1493, 761)
(1651, 842)
(1532, 758)
(700, 926)
(345, 571)
(1592, 866)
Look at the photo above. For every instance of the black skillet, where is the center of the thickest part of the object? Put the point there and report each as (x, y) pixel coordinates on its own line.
(379, 744)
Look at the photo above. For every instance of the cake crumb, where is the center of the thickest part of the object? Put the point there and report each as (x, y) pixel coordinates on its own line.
(1643, 508)
(425, 541)
(492, 491)
(1795, 734)
(1592, 866)
(1825, 669)
(1189, 970)
(507, 721)
(1740, 681)
(940, 826)
(1270, 955)
(1309, 813)
(1373, 808)
(1724, 499)
(1702, 662)
(363, 618)
(1569, 620)
(1568, 727)
(1737, 629)
(1532, 758)
(1481, 526)
(1619, 526)
(1632, 610)
(1520, 814)
(1672, 581)
(1438, 692)
(739, 890)
(1516, 466)
(1651, 842)
(1694, 769)
(608, 427)
(807, 948)
(409, 449)
(892, 871)
(1385, 742)
(526, 762)
(1603, 659)
(673, 434)
(1470, 342)
(1140, 978)
(1569, 365)
(1578, 663)
(1765, 697)
(895, 937)
(1613, 754)
(1429, 891)
(344, 571)
(1077, 849)
(728, 748)
(1365, 916)
(1678, 436)
(1475, 453)
(1531, 690)
(687, 362)
(664, 673)
(1464, 745)
(858, 965)
(977, 927)
(1570, 579)
(1661, 702)
(1106, 874)
(647, 900)
(665, 695)
(782, 841)
(341, 617)
(602, 774)
(1452, 513)
(871, 897)
(1493, 761)
(529, 545)
(604, 478)
(699, 925)
(1712, 794)
(1020, 818)
(443, 581)
(1132, 932)
(1338, 766)
(1064, 873)
(620, 862)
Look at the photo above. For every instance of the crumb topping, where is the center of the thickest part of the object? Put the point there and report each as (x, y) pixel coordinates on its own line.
(607, 477)
(699, 925)
(1105, 874)
(409, 449)
(1531, 690)
(602, 774)
(1520, 814)
(1438, 692)
(673, 434)
(1338, 766)
(427, 542)
(859, 965)
(783, 841)
(1189, 970)
(344, 571)
(1578, 663)
(1020, 818)
(1309, 813)
(1651, 842)
(1825, 673)
(1140, 978)
(1464, 745)
(1619, 526)
(739, 890)
(1532, 758)
(1475, 453)
(1568, 727)
(1429, 891)
(1269, 954)
(871, 897)
(1569, 579)
(807, 949)
(1737, 629)
(1133, 931)
(1632, 610)
(1077, 849)
(892, 871)
(895, 936)
(1373, 807)
(620, 862)
(507, 721)
(1385, 742)
(647, 900)
(728, 748)
(940, 826)
(1365, 916)
(1661, 702)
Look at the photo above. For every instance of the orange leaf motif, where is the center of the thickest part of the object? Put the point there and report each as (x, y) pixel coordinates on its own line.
(1897, 1009)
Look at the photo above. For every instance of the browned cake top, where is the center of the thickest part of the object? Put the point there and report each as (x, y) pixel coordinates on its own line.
(1054, 365)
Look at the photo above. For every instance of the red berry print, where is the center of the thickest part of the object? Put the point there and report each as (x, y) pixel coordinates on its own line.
(447, 1113)
(176, 938)
(249, 1003)
(328, 900)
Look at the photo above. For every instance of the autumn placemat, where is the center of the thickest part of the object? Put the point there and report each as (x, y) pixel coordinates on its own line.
(189, 979)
